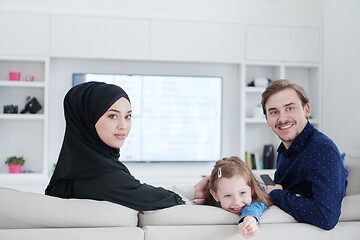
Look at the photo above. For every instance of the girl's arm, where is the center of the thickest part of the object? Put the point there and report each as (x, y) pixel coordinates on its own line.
(255, 209)
(249, 217)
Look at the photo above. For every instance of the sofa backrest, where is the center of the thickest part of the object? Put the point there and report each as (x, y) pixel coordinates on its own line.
(33, 210)
(183, 215)
(352, 164)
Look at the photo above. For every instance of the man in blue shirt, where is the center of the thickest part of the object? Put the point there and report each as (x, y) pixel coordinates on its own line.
(310, 176)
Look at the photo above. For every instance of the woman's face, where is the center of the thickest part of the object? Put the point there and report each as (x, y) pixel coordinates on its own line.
(114, 126)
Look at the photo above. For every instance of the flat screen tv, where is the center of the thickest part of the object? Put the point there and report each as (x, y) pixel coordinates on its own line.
(175, 118)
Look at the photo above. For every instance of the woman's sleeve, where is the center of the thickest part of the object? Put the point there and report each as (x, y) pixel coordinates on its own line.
(122, 188)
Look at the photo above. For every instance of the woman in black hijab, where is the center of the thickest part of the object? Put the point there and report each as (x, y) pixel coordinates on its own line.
(98, 119)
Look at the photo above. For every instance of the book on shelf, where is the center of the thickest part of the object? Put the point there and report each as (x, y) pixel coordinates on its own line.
(259, 162)
(248, 159)
(253, 161)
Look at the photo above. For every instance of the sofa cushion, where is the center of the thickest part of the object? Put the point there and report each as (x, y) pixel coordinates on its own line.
(32, 210)
(109, 233)
(283, 231)
(187, 215)
(276, 215)
(346, 230)
(350, 210)
(204, 215)
(352, 164)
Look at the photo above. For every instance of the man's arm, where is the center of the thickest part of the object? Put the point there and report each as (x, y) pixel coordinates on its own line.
(328, 187)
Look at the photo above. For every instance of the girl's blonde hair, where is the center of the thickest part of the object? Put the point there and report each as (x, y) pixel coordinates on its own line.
(229, 167)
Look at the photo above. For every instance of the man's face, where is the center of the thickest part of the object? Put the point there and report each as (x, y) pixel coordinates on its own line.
(286, 116)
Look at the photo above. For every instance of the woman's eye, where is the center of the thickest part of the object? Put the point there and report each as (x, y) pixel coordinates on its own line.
(290, 108)
(128, 117)
(227, 196)
(112, 116)
(243, 193)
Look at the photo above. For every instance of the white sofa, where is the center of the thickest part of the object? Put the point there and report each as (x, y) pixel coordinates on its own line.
(35, 216)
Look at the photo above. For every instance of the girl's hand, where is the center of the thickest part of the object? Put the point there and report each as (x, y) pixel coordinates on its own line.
(199, 201)
(249, 228)
(201, 187)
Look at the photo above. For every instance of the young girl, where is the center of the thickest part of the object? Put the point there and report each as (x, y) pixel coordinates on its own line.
(233, 186)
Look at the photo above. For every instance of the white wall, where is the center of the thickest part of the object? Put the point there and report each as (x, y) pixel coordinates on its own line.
(341, 74)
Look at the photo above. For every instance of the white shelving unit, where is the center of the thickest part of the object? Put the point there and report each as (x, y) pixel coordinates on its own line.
(254, 130)
(24, 134)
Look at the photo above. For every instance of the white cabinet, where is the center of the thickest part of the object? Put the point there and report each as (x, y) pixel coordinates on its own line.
(196, 41)
(24, 134)
(24, 34)
(255, 133)
(282, 43)
(99, 37)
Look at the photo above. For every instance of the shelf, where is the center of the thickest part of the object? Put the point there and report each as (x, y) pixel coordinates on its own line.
(22, 178)
(254, 89)
(314, 121)
(263, 120)
(18, 116)
(255, 132)
(263, 171)
(255, 120)
(24, 134)
(7, 83)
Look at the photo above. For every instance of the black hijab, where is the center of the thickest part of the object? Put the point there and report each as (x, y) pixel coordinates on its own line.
(83, 154)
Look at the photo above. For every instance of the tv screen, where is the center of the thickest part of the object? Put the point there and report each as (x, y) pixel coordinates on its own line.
(175, 118)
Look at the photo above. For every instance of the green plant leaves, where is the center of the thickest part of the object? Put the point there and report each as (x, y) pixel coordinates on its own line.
(15, 160)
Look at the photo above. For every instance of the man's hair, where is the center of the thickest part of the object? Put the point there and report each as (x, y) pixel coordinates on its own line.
(279, 85)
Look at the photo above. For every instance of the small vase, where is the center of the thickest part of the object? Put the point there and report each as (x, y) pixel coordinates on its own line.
(14, 168)
(269, 157)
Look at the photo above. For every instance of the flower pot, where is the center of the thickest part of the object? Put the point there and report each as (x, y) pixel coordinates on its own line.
(14, 168)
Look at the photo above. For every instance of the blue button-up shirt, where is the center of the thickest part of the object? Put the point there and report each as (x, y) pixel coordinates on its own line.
(313, 177)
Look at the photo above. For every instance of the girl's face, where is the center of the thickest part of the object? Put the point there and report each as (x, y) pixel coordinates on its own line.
(232, 193)
(114, 126)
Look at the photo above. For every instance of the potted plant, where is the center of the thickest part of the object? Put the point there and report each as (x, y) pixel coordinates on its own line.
(15, 164)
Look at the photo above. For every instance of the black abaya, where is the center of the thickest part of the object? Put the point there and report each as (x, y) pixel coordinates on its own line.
(87, 167)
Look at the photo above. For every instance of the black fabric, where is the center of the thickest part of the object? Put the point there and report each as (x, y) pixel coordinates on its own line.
(122, 188)
(83, 153)
(84, 157)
